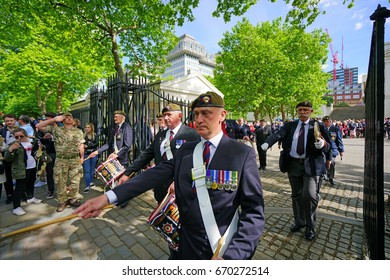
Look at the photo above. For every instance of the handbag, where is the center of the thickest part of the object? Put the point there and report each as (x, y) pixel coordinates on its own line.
(283, 161)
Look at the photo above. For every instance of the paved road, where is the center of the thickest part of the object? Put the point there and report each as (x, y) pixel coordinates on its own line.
(122, 233)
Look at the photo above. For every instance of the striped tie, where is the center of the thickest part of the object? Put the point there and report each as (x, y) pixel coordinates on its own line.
(301, 140)
(171, 135)
(206, 153)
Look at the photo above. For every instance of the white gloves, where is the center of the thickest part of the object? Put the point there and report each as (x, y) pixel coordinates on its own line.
(319, 144)
(265, 146)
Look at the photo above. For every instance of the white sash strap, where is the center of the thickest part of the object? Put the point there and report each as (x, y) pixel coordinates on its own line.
(167, 146)
(206, 209)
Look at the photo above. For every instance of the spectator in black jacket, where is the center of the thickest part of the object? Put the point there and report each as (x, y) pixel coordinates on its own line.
(262, 132)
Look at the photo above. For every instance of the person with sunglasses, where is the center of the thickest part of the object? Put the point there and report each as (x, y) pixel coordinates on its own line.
(21, 153)
(6, 133)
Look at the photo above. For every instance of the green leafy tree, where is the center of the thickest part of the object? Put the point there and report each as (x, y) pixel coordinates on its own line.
(302, 12)
(270, 67)
(49, 65)
(141, 30)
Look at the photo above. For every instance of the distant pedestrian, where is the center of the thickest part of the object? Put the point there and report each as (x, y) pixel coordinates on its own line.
(24, 122)
(6, 133)
(3, 178)
(352, 126)
(242, 130)
(90, 145)
(262, 132)
(48, 141)
(387, 127)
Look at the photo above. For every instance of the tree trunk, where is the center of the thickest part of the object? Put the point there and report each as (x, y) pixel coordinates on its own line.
(41, 104)
(282, 111)
(117, 60)
(256, 114)
(60, 93)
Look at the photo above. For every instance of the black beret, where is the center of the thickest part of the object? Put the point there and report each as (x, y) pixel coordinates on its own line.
(304, 104)
(50, 115)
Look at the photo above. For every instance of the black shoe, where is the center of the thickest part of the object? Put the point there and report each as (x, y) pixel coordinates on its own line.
(332, 182)
(295, 227)
(263, 168)
(9, 199)
(49, 195)
(310, 233)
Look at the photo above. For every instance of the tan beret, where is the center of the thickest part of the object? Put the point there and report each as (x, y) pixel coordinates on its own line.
(171, 107)
(208, 99)
(120, 112)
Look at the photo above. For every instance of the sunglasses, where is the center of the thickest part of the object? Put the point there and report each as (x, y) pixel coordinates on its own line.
(19, 136)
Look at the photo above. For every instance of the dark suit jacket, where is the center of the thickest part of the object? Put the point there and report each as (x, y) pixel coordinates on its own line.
(230, 155)
(337, 140)
(262, 134)
(123, 143)
(241, 131)
(153, 150)
(314, 161)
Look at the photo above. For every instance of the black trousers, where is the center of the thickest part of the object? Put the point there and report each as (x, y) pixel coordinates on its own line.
(304, 193)
(8, 185)
(262, 156)
(25, 185)
(50, 173)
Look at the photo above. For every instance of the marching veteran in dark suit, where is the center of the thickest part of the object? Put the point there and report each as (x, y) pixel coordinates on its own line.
(120, 141)
(304, 156)
(164, 146)
(337, 146)
(217, 185)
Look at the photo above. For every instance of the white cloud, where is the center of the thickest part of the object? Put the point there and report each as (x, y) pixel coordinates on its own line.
(358, 25)
(359, 14)
(328, 3)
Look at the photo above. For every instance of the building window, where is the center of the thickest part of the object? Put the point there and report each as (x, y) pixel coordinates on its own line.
(347, 97)
(356, 96)
(339, 97)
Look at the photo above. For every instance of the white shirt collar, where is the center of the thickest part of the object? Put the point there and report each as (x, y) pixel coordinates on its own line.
(176, 129)
(215, 140)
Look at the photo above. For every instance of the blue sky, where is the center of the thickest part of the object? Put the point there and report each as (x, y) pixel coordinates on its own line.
(353, 25)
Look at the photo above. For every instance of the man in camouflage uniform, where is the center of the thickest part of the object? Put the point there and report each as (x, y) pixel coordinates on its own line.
(68, 168)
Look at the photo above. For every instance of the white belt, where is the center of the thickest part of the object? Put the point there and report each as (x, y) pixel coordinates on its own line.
(210, 224)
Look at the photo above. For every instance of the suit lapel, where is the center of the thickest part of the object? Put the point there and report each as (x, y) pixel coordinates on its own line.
(222, 152)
